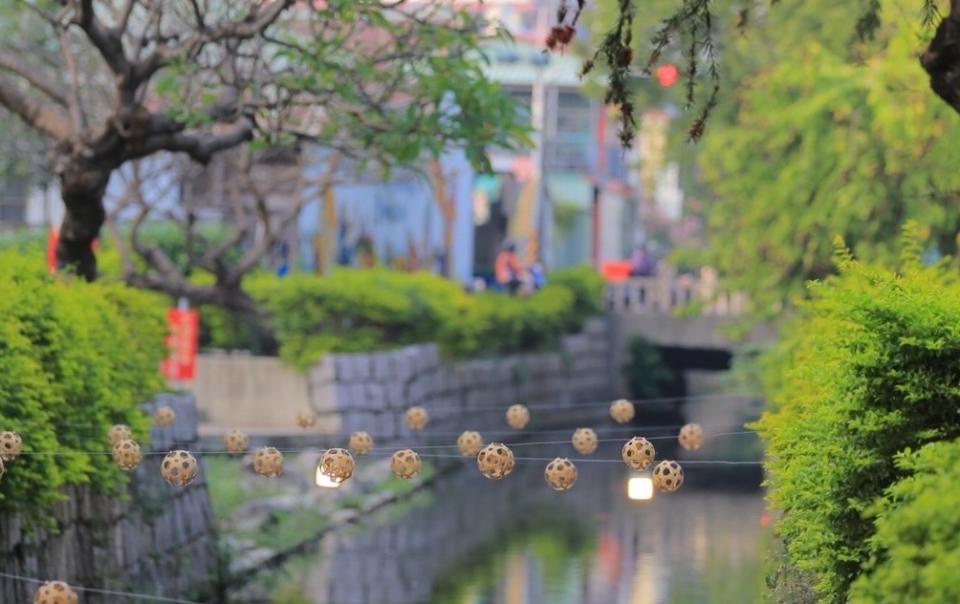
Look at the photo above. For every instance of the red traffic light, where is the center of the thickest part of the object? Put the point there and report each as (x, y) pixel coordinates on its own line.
(667, 75)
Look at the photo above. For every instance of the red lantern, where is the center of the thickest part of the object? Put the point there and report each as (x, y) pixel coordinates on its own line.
(667, 75)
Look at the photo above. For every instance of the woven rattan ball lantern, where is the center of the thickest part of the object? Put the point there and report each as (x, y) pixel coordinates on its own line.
(621, 411)
(691, 437)
(417, 418)
(360, 443)
(127, 455)
(560, 474)
(495, 461)
(11, 445)
(584, 441)
(236, 442)
(268, 462)
(164, 416)
(179, 468)
(55, 592)
(518, 416)
(405, 464)
(305, 419)
(667, 476)
(337, 465)
(119, 432)
(469, 443)
(638, 453)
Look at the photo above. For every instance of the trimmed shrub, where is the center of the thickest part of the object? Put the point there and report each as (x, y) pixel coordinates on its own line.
(75, 358)
(870, 369)
(355, 310)
(916, 548)
(374, 309)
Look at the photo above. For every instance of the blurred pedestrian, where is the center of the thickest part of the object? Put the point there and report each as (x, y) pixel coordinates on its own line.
(641, 263)
(507, 270)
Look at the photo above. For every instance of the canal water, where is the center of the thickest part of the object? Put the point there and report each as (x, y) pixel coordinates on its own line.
(468, 540)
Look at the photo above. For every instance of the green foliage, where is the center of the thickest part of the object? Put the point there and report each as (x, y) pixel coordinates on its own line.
(644, 371)
(916, 548)
(376, 309)
(355, 310)
(75, 358)
(870, 369)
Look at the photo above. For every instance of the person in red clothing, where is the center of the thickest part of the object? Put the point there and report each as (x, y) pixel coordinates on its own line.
(507, 270)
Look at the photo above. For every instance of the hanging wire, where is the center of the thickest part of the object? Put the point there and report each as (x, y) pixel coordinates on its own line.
(533, 407)
(106, 592)
(377, 450)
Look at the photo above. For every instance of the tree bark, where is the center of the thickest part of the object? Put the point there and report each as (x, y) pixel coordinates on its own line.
(82, 187)
(942, 58)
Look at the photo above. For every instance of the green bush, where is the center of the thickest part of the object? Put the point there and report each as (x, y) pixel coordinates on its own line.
(916, 548)
(587, 287)
(870, 369)
(375, 309)
(75, 358)
(355, 310)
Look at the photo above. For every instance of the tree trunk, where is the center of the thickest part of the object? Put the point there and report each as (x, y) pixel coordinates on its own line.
(82, 187)
(942, 58)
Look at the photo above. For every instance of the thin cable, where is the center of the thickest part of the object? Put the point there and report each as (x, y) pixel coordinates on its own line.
(379, 450)
(543, 406)
(107, 592)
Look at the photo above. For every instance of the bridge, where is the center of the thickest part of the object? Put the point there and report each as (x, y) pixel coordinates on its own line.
(686, 316)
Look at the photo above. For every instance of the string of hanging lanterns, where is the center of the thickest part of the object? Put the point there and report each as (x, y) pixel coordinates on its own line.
(495, 460)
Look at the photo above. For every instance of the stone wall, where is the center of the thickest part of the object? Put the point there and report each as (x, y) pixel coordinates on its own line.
(370, 391)
(158, 541)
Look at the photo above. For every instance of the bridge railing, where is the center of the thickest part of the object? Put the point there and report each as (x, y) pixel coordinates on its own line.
(670, 291)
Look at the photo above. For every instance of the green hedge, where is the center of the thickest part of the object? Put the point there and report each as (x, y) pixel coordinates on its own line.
(376, 309)
(916, 548)
(869, 370)
(75, 358)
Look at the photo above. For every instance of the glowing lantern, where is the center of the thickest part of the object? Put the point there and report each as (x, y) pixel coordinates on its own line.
(560, 474)
(622, 411)
(337, 464)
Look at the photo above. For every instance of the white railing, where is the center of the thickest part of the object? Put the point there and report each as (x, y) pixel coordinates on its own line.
(668, 292)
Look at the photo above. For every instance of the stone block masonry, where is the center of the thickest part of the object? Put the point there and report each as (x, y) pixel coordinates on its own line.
(370, 391)
(159, 540)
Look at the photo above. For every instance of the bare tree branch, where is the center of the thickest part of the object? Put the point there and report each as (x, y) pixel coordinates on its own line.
(44, 118)
(9, 62)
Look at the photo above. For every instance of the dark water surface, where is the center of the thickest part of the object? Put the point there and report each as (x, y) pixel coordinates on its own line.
(468, 540)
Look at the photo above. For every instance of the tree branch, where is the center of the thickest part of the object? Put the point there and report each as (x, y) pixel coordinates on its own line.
(107, 41)
(46, 119)
(34, 77)
(200, 146)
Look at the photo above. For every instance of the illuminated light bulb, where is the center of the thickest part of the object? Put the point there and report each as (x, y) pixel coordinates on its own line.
(640, 488)
(325, 481)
